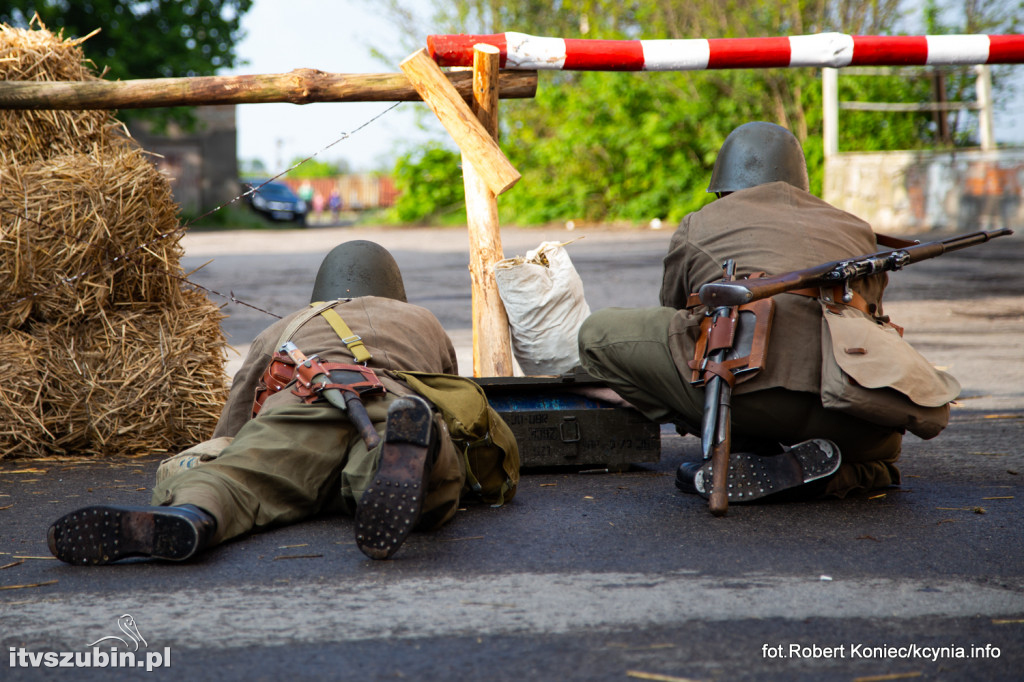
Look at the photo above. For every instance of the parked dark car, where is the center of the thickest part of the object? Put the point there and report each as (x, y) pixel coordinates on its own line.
(275, 200)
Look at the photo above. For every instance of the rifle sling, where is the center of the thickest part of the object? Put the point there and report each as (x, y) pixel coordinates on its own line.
(720, 370)
(834, 296)
(893, 242)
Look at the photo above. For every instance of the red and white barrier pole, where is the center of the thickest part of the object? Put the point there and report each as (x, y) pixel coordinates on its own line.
(522, 51)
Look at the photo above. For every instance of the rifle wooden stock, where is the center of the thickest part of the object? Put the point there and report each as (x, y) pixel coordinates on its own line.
(718, 500)
(738, 292)
(716, 424)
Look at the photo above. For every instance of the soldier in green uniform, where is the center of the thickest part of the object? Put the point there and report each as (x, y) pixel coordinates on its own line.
(766, 220)
(290, 454)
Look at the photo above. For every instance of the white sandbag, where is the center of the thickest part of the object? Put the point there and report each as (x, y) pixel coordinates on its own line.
(543, 297)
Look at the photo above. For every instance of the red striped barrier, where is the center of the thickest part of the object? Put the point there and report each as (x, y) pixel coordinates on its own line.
(522, 51)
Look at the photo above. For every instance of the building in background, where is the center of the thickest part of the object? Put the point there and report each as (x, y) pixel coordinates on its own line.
(202, 164)
(946, 189)
(358, 191)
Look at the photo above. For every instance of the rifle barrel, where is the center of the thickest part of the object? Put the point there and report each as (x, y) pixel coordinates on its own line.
(738, 292)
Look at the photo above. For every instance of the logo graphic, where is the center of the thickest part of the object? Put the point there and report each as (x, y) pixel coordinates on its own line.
(127, 625)
(94, 656)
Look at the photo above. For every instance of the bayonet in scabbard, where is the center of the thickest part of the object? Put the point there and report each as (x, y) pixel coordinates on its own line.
(340, 385)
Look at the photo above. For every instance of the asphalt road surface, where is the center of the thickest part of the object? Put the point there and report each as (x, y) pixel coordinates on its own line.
(583, 576)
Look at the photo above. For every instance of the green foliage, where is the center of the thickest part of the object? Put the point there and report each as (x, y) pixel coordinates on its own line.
(604, 147)
(231, 217)
(314, 168)
(429, 182)
(878, 131)
(151, 39)
(635, 146)
(252, 168)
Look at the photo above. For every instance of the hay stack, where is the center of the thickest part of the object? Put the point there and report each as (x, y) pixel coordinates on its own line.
(103, 351)
(30, 135)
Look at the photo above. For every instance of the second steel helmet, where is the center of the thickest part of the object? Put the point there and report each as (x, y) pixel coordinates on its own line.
(358, 268)
(757, 153)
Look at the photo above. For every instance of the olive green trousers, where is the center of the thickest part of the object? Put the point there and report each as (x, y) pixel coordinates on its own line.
(296, 460)
(628, 349)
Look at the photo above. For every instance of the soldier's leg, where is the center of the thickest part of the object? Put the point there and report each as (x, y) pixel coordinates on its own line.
(446, 477)
(628, 349)
(413, 479)
(281, 467)
(869, 452)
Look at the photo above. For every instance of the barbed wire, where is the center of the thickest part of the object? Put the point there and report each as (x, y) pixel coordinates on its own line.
(127, 255)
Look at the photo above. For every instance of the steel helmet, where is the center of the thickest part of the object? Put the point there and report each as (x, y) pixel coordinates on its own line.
(358, 268)
(757, 153)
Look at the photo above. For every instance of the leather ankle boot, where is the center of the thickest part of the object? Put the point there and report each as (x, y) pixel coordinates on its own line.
(800, 470)
(104, 534)
(390, 508)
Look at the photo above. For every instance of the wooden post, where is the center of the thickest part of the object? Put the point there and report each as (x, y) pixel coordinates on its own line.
(984, 90)
(460, 122)
(492, 351)
(830, 105)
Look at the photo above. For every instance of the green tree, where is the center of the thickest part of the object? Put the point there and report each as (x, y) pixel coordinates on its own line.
(634, 146)
(315, 168)
(150, 39)
(429, 182)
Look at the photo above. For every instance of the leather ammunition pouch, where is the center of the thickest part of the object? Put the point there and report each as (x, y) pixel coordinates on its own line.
(279, 373)
(282, 371)
(744, 333)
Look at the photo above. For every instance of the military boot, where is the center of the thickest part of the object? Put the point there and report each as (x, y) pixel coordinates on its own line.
(753, 477)
(105, 534)
(390, 508)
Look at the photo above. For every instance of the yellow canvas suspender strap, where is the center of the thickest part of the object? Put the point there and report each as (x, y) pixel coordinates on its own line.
(354, 343)
(326, 310)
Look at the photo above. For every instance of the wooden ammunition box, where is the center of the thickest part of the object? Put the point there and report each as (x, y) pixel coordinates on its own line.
(564, 422)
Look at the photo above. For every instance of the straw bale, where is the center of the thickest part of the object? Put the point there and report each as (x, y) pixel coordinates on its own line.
(21, 401)
(105, 352)
(39, 55)
(66, 223)
(138, 379)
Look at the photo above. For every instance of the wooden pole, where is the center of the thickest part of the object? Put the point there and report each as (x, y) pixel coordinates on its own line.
(460, 122)
(492, 351)
(301, 86)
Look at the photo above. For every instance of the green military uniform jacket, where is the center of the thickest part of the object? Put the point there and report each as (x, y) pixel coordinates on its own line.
(778, 228)
(398, 336)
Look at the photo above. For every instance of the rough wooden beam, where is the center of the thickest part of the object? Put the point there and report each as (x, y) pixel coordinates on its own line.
(460, 122)
(301, 86)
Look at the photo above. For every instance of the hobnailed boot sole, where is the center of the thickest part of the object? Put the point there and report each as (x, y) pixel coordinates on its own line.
(104, 534)
(752, 477)
(390, 508)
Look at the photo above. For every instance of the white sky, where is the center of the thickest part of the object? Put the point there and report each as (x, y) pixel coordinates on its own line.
(337, 36)
(329, 35)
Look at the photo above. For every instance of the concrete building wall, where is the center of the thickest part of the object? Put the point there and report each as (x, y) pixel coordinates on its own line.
(201, 164)
(905, 192)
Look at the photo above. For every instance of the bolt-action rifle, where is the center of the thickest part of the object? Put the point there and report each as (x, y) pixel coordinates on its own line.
(723, 297)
